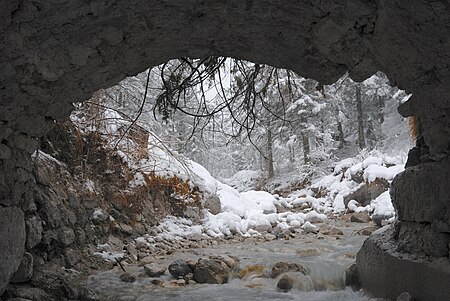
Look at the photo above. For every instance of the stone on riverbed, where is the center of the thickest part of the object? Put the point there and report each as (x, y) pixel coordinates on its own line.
(231, 261)
(154, 270)
(127, 277)
(211, 271)
(179, 269)
(310, 228)
(295, 280)
(284, 267)
(360, 217)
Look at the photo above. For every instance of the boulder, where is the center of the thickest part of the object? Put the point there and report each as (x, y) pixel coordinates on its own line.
(360, 217)
(367, 192)
(154, 270)
(211, 271)
(421, 194)
(295, 280)
(310, 228)
(387, 273)
(284, 267)
(231, 261)
(179, 269)
(332, 231)
(25, 271)
(379, 218)
(212, 203)
(351, 277)
(12, 244)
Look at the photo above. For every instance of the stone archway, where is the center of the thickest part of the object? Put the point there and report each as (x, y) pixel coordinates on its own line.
(57, 52)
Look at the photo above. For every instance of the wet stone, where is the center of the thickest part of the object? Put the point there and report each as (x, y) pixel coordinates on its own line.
(211, 271)
(154, 270)
(127, 277)
(179, 268)
(283, 267)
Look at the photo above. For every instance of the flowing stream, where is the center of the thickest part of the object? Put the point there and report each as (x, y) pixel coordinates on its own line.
(326, 259)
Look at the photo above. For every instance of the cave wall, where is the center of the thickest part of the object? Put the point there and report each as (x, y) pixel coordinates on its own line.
(56, 52)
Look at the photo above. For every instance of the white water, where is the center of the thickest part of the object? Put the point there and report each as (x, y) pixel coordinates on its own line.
(325, 259)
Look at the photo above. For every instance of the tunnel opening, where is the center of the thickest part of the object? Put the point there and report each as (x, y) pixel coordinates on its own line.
(126, 170)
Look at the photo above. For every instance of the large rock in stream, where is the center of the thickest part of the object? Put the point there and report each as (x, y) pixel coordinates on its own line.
(212, 271)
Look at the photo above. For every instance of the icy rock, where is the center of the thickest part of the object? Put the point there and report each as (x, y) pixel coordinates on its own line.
(154, 270)
(310, 228)
(211, 271)
(360, 217)
(179, 269)
(379, 218)
(269, 237)
(284, 267)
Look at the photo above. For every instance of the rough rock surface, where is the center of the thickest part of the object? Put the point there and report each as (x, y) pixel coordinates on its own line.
(387, 273)
(25, 270)
(12, 243)
(55, 53)
(295, 280)
(154, 270)
(211, 271)
(179, 269)
(360, 217)
(212, 203)
(283, 267)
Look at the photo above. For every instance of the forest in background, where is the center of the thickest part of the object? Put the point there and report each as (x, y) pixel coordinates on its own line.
(243, 119)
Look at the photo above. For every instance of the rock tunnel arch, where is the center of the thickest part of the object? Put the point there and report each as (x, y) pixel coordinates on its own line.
(54, 53)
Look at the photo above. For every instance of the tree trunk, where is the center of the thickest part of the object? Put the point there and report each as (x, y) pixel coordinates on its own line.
(341, 135)
(306, 149)
(361, 140)
(269, 157)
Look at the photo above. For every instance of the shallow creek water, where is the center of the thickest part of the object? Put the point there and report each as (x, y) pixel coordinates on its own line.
(326, 260)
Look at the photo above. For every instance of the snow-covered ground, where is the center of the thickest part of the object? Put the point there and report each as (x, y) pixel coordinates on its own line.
(253, 213)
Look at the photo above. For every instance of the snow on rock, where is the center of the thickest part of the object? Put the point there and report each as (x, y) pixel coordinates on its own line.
(373, 172)
(110, 256)
(382, 205)
(308, 228)
(262, 198)
(338, 204)
(344, 164)
(372, 161)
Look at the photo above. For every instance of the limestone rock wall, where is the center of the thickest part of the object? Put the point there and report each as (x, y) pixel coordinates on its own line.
(54, 224)
(54, 53)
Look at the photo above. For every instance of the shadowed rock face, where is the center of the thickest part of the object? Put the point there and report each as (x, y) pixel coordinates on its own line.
(56, 52)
